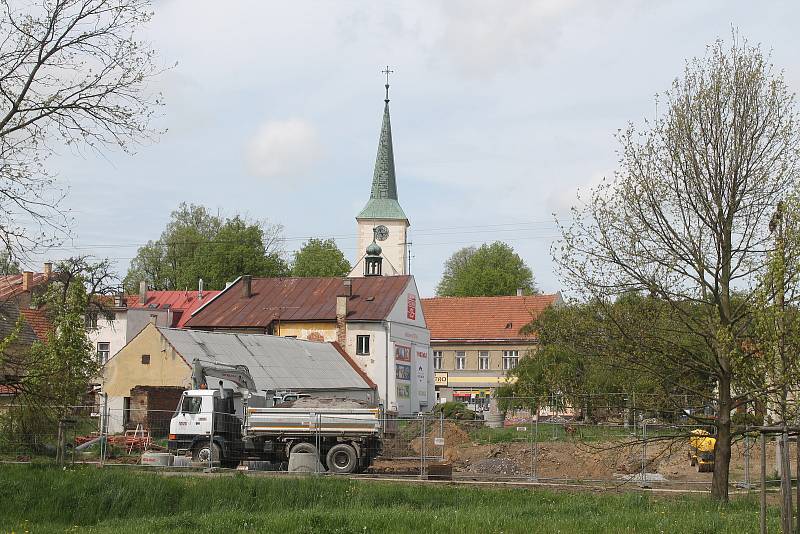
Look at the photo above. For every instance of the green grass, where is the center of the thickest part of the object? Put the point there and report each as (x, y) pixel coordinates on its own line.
(41, 499)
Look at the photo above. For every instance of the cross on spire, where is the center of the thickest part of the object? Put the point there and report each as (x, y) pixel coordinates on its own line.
(387, 72)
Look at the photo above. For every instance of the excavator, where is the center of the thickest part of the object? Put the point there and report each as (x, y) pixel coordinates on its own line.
(701, 450)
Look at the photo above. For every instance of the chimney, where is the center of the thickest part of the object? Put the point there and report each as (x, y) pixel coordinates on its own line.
(247, 286)
(48, 269)
(118, 299)
(200, 289)
(341, 321)
(519, 291)
(142, 293)
(27, 281)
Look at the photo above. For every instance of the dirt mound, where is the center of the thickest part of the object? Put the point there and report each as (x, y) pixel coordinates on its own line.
(454, 436)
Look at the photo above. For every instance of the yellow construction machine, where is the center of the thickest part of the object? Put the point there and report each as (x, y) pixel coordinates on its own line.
(701, 450)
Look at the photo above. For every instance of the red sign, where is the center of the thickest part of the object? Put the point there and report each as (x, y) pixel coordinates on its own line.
(412, 306)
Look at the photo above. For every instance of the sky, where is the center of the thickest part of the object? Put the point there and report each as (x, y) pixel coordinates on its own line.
(502, 113)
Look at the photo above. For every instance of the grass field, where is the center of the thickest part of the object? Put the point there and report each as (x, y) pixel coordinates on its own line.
(44, 499)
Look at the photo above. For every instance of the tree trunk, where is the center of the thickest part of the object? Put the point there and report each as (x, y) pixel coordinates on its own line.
(722, 449)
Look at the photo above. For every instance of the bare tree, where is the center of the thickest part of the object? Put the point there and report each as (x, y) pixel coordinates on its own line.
(71, 73)
(686, 220)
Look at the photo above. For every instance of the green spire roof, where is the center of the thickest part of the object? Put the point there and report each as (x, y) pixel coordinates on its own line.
(382, 202)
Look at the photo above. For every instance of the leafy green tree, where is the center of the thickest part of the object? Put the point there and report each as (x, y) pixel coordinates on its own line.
(54, 373)
(491, 270)
(320, 257)
(583, 358)
(685, 219)
(238, 248)
(197, 244)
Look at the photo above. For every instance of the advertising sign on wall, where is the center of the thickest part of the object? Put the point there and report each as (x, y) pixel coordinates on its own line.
(440, 379)
(402, 372)
(403, 391)
(421, 366)
(411, 307)
(402, 354)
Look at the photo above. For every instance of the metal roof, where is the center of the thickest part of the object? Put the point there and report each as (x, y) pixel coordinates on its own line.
(382, 202)
(299, 299)
(274, 362)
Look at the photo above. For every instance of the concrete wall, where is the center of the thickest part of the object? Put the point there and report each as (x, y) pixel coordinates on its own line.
(125, 370)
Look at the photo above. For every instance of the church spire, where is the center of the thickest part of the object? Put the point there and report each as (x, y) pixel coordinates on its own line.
(382, 202)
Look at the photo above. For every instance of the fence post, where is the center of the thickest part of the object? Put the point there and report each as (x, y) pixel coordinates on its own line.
(644, 483)
(762, 513)
(747, 461)
(211, 438)
(422, 449)
(441, 436)
(536, 445)
(104, 430)
(786, 481)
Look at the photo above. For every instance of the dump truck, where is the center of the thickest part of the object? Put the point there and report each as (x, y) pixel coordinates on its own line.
(224, 427)
(701, 450)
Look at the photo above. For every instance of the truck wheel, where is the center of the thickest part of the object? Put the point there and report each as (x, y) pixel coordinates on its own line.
(203, 453)
(342, 459)
(305, 447)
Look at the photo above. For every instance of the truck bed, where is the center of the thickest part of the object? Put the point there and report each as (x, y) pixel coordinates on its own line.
(323, 421)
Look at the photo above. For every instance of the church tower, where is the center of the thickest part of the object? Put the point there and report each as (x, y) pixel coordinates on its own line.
(382, 219)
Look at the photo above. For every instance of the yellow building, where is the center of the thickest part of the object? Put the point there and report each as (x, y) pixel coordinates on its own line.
(476, 340)
(158, 362)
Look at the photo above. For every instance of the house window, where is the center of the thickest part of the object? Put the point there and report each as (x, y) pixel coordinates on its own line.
(145, 359)
(461, 360)
(437, 359)
(103, 350)
(483, 360)
(362, 345)
(91, 319)
(510, 359)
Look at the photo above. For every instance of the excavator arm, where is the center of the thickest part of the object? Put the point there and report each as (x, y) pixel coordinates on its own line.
(238, 374)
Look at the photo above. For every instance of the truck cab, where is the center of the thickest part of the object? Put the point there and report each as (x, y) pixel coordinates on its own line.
(207, 425)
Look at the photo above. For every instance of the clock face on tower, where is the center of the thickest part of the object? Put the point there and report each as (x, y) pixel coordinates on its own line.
(381, 233)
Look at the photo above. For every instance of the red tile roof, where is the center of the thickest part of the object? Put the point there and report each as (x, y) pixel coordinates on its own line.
(476, 319)
(299, 299)
(11, 284)
(182, 303)
(38, 320)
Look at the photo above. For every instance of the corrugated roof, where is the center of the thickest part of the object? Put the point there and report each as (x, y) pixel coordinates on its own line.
(299, 299)
(483, 318)
(182, 303)
(274, 362)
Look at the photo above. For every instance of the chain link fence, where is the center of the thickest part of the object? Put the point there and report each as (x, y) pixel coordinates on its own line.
(520, 447)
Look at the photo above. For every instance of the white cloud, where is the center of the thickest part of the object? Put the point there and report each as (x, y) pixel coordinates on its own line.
(482, 38)
(283, 149)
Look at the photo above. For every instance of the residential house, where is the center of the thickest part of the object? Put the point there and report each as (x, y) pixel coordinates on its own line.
(376, 319)
(18, 294)
(124, 316)
(156, 366)
(476, 340)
